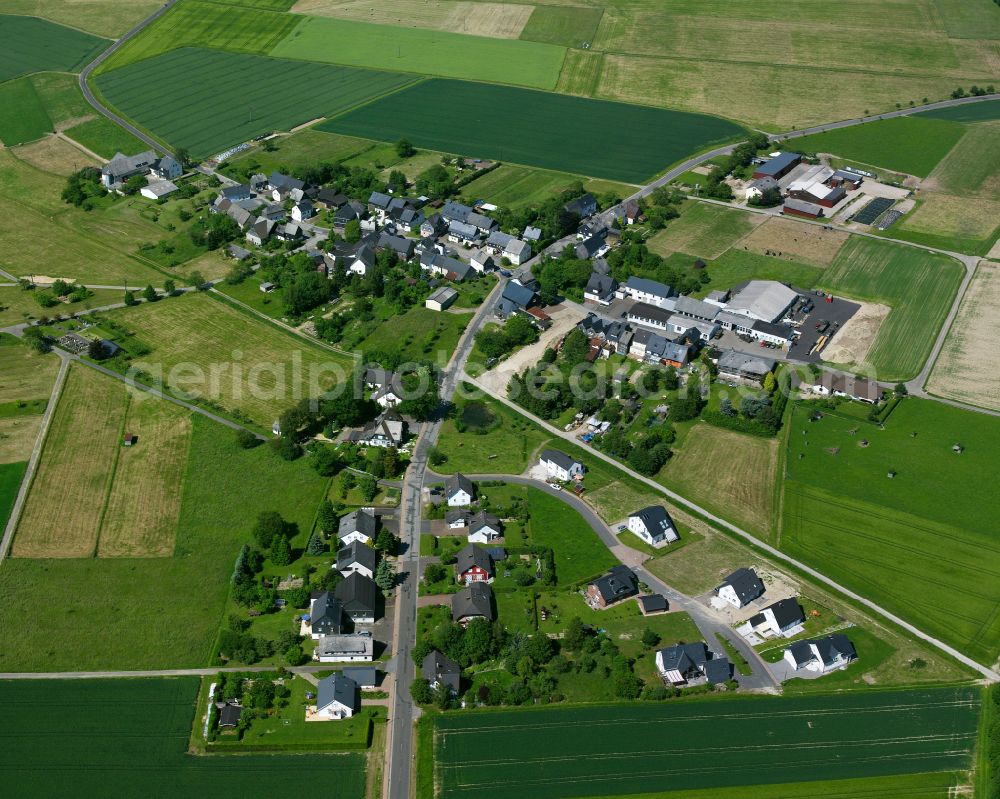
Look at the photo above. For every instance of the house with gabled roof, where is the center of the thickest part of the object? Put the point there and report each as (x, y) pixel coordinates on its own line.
(475, 601)
(559, 465)
(740, 588)
(474, 565)
(582, 206)
(337, 697)
(484, 528)
(653, 525)
(515, 297)
(358, 596)
(357, 557)
(617, 584)
(821, 655)
(439, 670)
(325, 615)
(784, 619)
(682, 663)
(459, 490)
(345, 648)
(359, 525)
(600, 288)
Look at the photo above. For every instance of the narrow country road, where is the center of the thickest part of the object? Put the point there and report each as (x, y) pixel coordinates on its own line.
(114, 675)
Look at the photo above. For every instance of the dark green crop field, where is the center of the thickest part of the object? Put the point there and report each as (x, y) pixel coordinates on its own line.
(630, 749)
(986, 111)
(130, 737)
(30, 44)
(208, 100)
(597, 138)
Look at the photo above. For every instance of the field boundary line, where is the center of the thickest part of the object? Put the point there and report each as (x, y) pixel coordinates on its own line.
(36, 453)
(113, 472)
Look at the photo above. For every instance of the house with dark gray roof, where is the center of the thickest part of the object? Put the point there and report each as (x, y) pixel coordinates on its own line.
(515, 297)
(337, 697)
(229, 715)
(559, 465)
(784, 618)
(682, 663)
(358, 525)
(121, 167)
(650, 604)
(403, 248)
(600, 288)
(591, 247)
(459, 490)
(736, 365)
(365, 676)
(357, 557)
(441, 671)
(777, 167)
(462, 233)
(475, 601)
(474, 565)
(325, 615)
(358, 597)
(821, 655)
(619, 583)
(484, 528)
(582, 206)
(740, 588)
(653, 525)
(644, 290)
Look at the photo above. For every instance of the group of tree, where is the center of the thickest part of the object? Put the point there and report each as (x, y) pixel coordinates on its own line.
(758, 413)
(213, 230)
(633, 257)
(83, 187)
(495, 342)
(742, 156)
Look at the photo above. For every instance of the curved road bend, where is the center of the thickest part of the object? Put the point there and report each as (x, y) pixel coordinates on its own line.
(707, 622)
(117, 45)
(777, 554)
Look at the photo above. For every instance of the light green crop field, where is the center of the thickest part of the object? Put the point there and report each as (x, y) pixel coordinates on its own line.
(737, 266)
(427, 52)
(192, 23)
(552, 131)
(518, 186)
(23, 117)
(301, 150)
(161, 612)
(203, 102)
(913, 145)
(109, 18)
(704, 230)
(919, 287)
(264, 370)
(572, 26)
(30, 44)
(972, 167)
(921, 543)
(554, 753)
(104, 137)
(147, 733)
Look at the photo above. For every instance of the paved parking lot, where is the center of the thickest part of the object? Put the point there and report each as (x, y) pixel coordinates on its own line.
(837, 313)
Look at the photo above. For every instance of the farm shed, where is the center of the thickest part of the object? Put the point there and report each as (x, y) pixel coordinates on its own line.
(441, 299)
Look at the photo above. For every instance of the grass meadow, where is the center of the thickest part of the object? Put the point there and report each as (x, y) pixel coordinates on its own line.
(104, 137)
(204, 104)
(24, 374)
(419, 334)
(517, 186)
(551, 131)
(32, 44)
(261, 370)
(423, 51)
(11, 475)
(18, 306)
(914, 145)
(737, 266)
(108, 18)
(154, 613)
(704, 230)
(553, 752)
(921, 543)
(917, 285)
(110, 753)
(571, 26)
(579, 553)
(24, 118)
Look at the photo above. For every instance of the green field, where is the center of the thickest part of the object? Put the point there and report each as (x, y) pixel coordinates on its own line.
(23, 118)
(972, 167)
(419, 334)
(922, 543)
(192, 23)
(736, 266)
(555, 753)
(10, 484)
(704, 230)
(115, 735)
(913, 145)
(30, 44)
(986, 111)
(517, 186)
(580, 554)
(572, 26)
(154, 613)
(917, 285)
(553, 131)
(103, 17)
(427, 52)
(203, 102)
(104, 137)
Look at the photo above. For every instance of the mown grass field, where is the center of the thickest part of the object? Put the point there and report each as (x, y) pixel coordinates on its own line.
(260, 370)
(24, 118)
(922, 543)
(193, 23)
(24, 374)
(154, 613)
(704, 230)
(555, 753)
(917, 285)
(727, 470)
(55, 155)
(579, 553)
(203, 103)
(148, 731)
(517, 186)
(973, 164)
(552, 131)
(108, 18)
(45, 233)
(31, 44)
(963, 370)
(572, 26)
(426, 52)
(965, 224)
(737, 266)
(104, 137)
(914, 145)
(500, 20)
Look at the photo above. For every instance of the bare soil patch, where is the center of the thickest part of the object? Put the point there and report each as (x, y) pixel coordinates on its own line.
(796, 241)
(850, 344)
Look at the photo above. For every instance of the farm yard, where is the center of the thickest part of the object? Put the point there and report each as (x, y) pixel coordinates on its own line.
(258, 376)
(917, 285)
(31, 44)
(203, 104)
(426, 52)
(555, 753)
(155, 612)
(963, 370)
(935, 563)
(150, 725)
(551, 131)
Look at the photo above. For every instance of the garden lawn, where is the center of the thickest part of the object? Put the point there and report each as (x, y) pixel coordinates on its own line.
(419, 334)
(427, 52)
(203, 102)
(919, 287)
(154, 613)
(148, 730)
(569, 134)
(505, 449)
(936, 563)
(261, 370)
(554, 753)
(579, 553)
(913, 145)
(300, 150)
(31, 44)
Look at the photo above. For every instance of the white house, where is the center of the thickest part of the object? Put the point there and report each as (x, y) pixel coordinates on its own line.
(158, 190)
(303, 210)
(358, 525)
(457, 519)
(821, 655)
(348, 648)
(653, 525)
(484, 528)
(740, 588)
(337, 697)
(784, 618)
(357, 557)
(642, 290)
(459, 491)
(560, 466)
